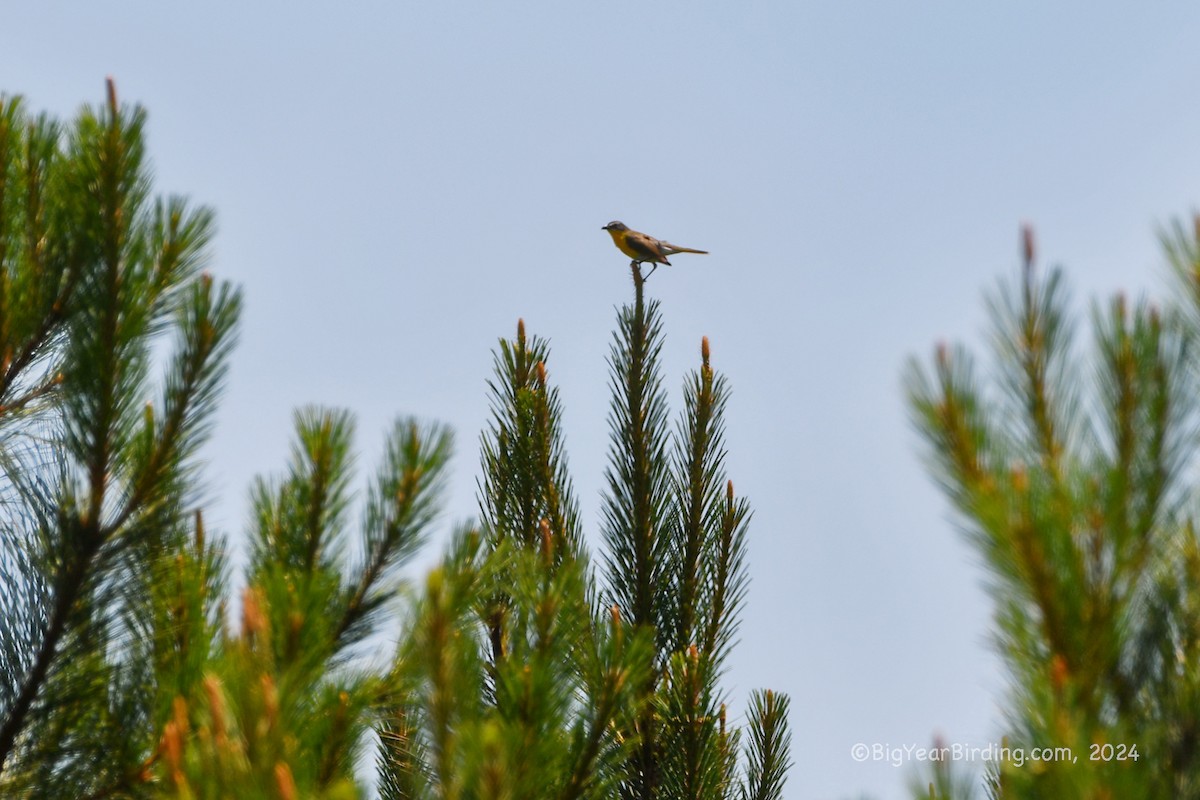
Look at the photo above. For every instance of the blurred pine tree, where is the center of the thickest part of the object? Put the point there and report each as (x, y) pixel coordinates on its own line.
(1073, 475)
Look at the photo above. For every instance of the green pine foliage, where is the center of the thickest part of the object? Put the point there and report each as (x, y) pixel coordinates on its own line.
(675, 539)
(1073, 476)
(135, 664)
(525, 478)
(544, 727)
(99, 456)
(527, 674)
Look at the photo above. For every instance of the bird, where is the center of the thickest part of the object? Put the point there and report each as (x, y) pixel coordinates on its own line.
(643, 248)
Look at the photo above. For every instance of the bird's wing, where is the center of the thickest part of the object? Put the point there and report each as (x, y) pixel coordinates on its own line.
(647, 248)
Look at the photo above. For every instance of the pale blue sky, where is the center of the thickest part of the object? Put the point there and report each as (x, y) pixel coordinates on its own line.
(397, 183)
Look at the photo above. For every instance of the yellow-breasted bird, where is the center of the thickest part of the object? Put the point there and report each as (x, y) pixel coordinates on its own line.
(642, 248)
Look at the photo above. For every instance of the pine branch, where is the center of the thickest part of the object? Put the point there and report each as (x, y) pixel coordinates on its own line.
(115, 150)
(107, 368)
(1033, 338)
(636, 503)
(607, 699)
(729, 578)
(68, 586)
(37, 274)
(402, 504)
(693, 764)
(207, 333)
(299, 518)
(402, 757)
(699, 470)
(525, 478)
(708, 551)
(768, 751)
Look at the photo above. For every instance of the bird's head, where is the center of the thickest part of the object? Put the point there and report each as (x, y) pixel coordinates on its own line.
(615, 227)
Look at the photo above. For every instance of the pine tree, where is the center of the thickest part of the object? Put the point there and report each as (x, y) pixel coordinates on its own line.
(120, 677)
(511, 679)
(675, 557)
(99, 463)
(1073, 478)
(127, 671)
(517, 680)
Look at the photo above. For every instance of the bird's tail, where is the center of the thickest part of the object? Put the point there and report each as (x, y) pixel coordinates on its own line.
(673, 249)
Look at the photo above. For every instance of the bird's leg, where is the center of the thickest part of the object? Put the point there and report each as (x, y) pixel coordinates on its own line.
(651, 272)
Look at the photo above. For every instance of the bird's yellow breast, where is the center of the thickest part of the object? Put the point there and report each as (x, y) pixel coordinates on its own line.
(621, 241)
